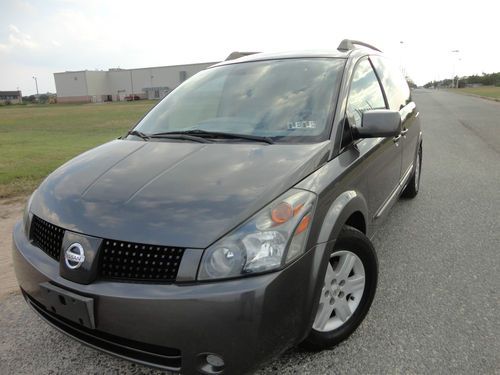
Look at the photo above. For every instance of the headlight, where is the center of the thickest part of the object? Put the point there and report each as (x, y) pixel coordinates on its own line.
(272, 238)
(26, 215)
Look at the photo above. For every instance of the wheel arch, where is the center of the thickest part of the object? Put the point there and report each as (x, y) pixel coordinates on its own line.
(357, 220)
(348, 208)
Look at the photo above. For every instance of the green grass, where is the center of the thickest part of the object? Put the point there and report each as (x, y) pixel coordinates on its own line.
(36, 139)
(488, 91)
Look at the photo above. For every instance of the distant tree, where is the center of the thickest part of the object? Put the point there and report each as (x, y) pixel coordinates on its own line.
(490, 79)
(446, 83)
(43, 98)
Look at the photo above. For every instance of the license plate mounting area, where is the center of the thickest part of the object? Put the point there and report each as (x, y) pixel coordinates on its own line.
(74, 307)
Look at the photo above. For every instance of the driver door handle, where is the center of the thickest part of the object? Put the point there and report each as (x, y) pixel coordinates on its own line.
(396, 139)
(404, 131)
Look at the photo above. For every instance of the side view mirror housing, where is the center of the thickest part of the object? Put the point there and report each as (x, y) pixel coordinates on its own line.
(379, 123)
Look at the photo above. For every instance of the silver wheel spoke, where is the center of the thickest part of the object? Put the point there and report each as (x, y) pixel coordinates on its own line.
(342, 310)
(325, 297)
(324, 312)
(354, 284)
(330, 275)
(345, 265)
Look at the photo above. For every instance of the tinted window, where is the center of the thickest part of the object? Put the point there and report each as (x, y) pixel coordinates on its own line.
(288, 100)
(364, 94)
(395, 86)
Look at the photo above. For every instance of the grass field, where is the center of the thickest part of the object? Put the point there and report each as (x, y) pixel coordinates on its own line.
(488, 91)
(35, 140)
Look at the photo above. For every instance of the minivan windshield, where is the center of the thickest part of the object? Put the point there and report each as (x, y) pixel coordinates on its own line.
(287, 100)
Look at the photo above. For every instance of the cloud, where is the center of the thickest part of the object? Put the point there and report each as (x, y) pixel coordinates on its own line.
(13, 29)
(17, 39)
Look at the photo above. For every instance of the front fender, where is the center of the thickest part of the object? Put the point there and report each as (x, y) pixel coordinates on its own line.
(340, 210)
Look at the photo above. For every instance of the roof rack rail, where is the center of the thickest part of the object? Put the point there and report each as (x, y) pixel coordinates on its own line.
(349, 44)
(237, 55)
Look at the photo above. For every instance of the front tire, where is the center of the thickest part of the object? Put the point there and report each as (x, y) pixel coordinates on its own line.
(348, 290)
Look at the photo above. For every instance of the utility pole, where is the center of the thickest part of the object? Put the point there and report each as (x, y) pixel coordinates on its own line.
(36, 84)
(132, 85)
(401, 62)
(454, 68)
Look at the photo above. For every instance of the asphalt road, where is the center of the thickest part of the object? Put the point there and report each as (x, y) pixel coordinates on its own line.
(437, 304)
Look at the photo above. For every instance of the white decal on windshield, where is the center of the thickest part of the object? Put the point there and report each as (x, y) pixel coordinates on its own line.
(302, 125)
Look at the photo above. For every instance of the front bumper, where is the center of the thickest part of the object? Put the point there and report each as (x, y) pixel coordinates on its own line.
(244, 321)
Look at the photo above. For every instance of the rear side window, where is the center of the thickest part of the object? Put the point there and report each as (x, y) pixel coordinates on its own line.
(365, 93)
(395, 86)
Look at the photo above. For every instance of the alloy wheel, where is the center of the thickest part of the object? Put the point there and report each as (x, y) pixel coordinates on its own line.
(342, 291)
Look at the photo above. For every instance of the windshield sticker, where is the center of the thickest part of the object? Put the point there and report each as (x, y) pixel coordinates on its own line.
(302, 125)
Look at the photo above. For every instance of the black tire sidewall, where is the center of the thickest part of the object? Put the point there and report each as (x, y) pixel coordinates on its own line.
(411, 189)
(356, 242)
(416, 183)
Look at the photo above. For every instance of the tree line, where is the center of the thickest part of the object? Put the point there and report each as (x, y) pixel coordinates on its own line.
(491, 79)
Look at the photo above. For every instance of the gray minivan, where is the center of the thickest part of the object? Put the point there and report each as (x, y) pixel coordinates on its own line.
(234, 220)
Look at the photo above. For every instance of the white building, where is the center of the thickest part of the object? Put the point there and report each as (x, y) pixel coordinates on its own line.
(122, 84)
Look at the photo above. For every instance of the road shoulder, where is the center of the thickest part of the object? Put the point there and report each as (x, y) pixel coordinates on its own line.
(475, 96)
(10, 212)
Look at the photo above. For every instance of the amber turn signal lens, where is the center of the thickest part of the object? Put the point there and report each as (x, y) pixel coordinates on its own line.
(282, 213)
(297, 209)
(304, 223)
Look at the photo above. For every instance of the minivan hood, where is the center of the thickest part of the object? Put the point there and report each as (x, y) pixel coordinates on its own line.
(171, 193)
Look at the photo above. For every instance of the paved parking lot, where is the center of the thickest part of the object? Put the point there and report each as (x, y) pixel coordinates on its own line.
(437, 304)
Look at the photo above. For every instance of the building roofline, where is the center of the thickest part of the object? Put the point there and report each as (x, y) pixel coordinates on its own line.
(13, 92)
(79, 71)
(129, 69)
(166, 66)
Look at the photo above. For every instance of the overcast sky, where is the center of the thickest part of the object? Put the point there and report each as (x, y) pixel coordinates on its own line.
(42, 37)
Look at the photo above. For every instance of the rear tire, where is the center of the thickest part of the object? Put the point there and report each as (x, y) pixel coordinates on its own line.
(411, 190)
(342, 288)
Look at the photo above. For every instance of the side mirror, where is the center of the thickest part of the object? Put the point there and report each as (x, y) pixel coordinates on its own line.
(379, 123)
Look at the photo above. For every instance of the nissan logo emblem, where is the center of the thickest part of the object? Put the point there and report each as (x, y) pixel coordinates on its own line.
(74, 256)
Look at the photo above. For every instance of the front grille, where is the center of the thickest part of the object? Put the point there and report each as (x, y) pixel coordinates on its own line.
(130, 261)
(47, 237)
(159, 356)
(126, 261)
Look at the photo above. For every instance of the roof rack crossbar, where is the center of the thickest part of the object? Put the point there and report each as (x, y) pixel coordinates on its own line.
(349, 44)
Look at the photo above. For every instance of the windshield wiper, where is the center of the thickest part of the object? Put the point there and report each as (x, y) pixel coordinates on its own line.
(179, 135)
(210, 134)
(147, 137)
(138, 134)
